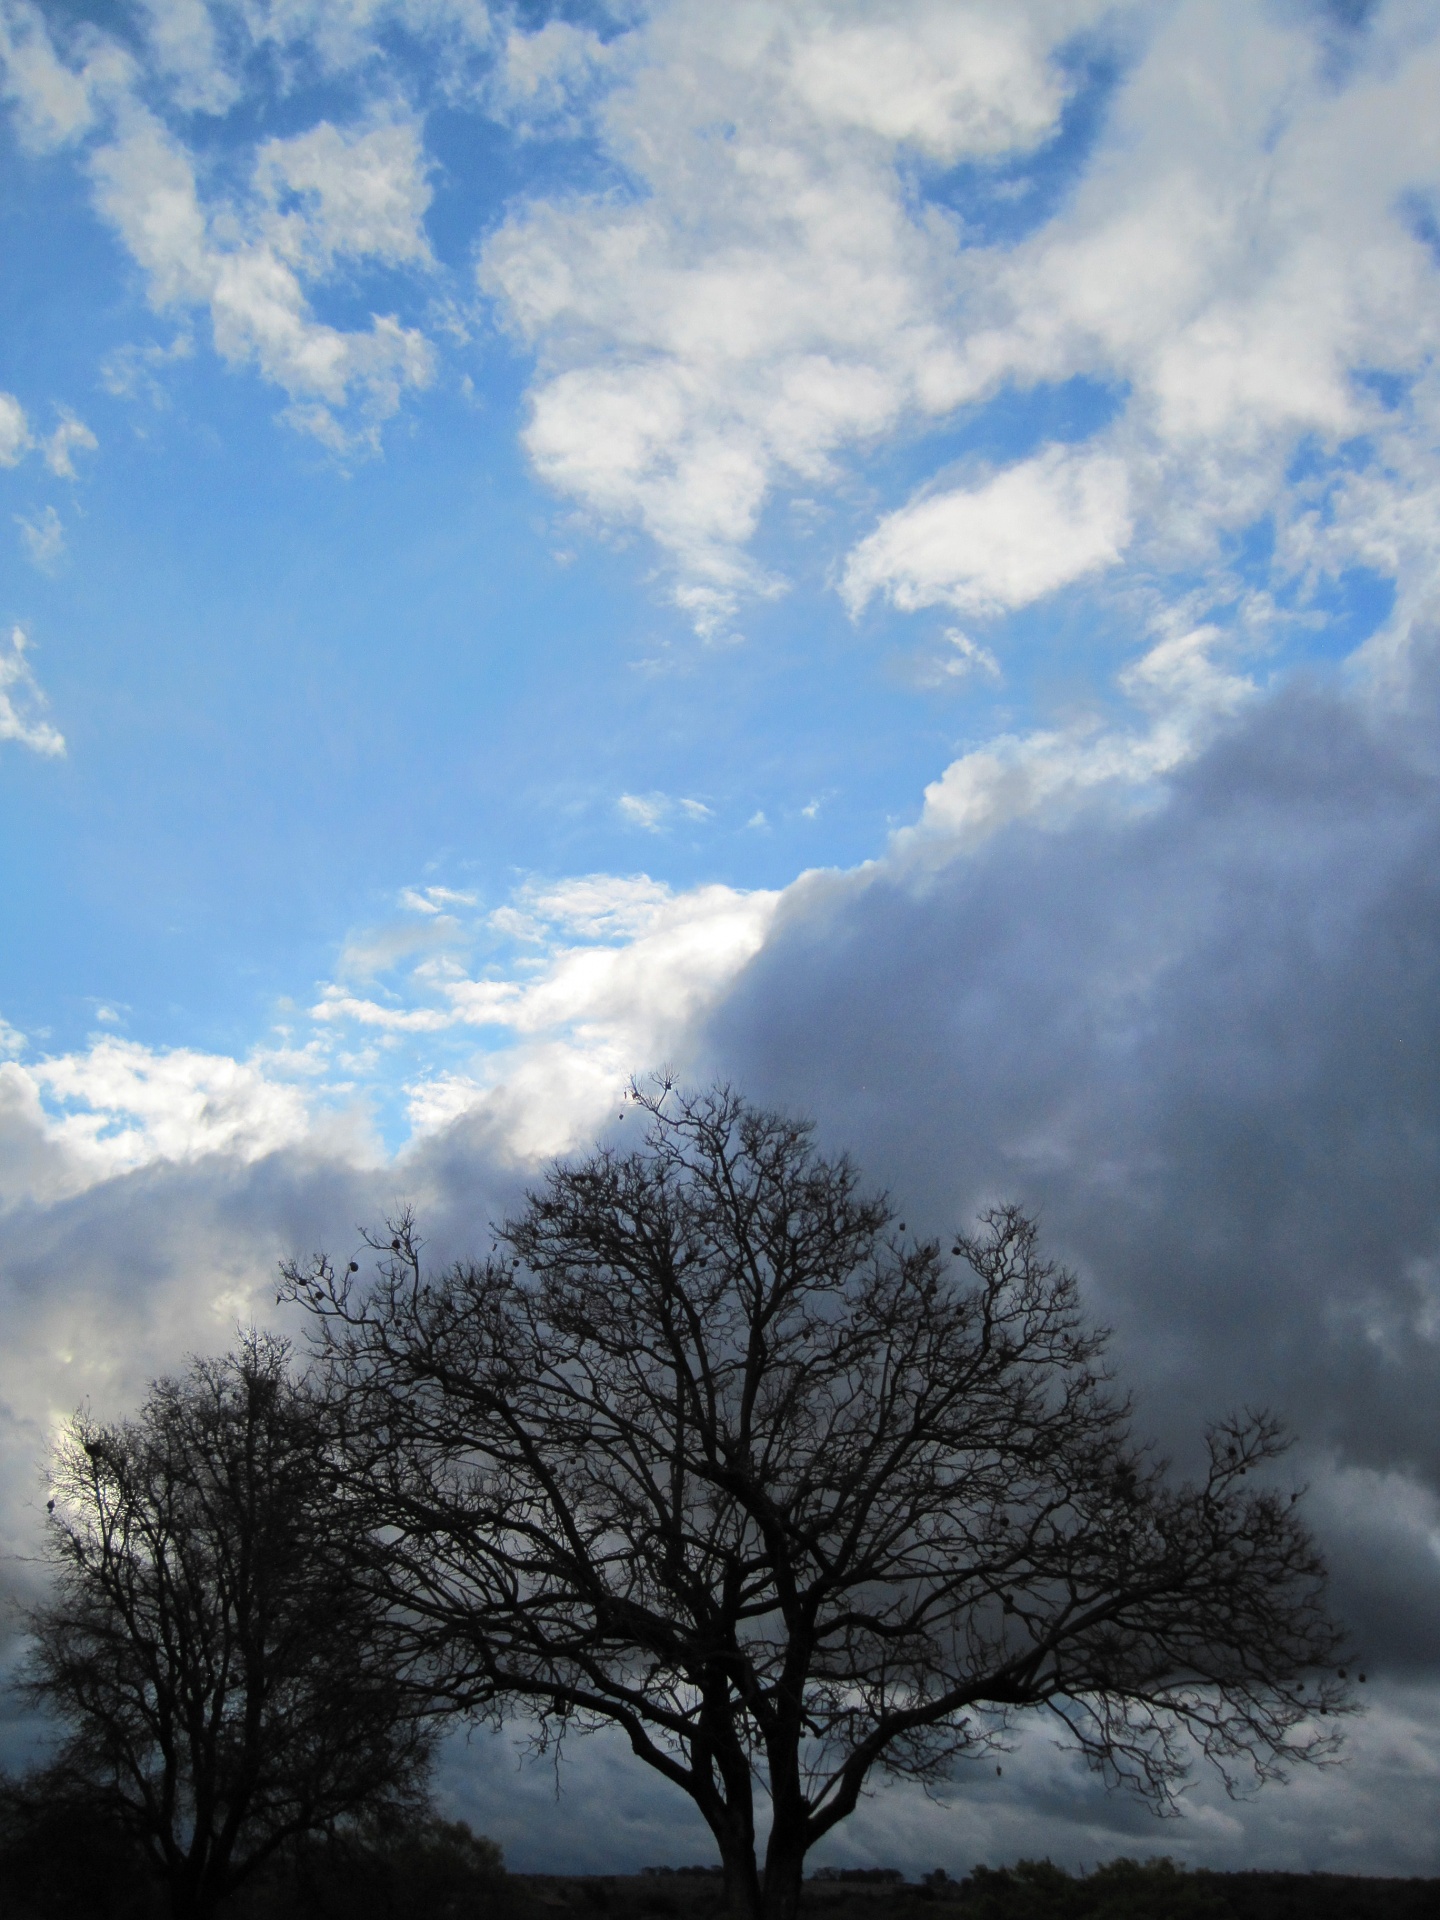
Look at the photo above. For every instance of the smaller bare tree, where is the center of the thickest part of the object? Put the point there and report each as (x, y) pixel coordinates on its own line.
(715, 1455)
(210, 1645)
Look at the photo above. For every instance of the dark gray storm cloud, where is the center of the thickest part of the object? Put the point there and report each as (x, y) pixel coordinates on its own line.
(1204, 1042)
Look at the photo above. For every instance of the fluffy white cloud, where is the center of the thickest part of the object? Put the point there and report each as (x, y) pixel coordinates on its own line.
(120, 1106)
(185, 48)
(545, 76)
(1032, 528)
(55, 101)
(954, 81)
(21, 701)
(1183, 694)
(1238, 253)
(772, 295)
(614, 972)
(363, 193)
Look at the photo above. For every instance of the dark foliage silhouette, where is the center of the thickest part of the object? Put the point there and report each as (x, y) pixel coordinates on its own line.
(710, 1451)
(212, 1645)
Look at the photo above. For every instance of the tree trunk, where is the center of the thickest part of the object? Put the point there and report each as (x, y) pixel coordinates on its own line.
(784, 1872)
(742, 1889)
(195, 1891)
(190, 1899)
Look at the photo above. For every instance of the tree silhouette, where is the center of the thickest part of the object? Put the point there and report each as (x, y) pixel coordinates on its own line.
(711, 1452)
(211, 1646)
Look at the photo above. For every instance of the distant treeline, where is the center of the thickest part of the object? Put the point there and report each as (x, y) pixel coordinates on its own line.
(64, 1861)
(1030, 1890)
(1159, 1890)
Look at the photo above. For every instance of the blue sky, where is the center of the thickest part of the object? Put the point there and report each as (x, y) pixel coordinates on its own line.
(521, 528)
(577, 572)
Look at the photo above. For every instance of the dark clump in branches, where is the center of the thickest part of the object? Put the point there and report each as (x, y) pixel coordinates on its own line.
(213, 1645)
(711, 1452)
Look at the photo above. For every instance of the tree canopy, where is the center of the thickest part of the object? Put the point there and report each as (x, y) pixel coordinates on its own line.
(710, 1450)
(212, 1646)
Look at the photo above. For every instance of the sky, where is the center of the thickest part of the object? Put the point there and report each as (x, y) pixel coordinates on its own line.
(883, 550)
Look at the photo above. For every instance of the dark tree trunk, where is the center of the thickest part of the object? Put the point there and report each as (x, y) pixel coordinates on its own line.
(735, 1837)
(189, 1900)
(742, 1887)
(784, 1872)
(195, 1892)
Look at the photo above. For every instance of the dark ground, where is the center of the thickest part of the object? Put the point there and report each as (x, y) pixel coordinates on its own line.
(71, 1865)
(1032, 1890)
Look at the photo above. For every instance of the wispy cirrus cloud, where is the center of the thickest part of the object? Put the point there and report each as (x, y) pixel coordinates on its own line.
(17, 438)
(22, 702)
(15, 435)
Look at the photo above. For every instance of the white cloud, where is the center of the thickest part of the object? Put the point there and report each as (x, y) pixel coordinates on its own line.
(597, 906)
(543, 76)
(145, 186)
(967, 657)
(245, 264)
(363, 193)
(955, 81)
(70, 437)
(652, 811)
(21, 700)
(56, 103)
(1234, 256)
(593, 1014)
(647, 810)
(15, 437)
(1182, 693)
(434, 900)
(44, 537)
(342, 35)
(772, 295)
(133, 370)
(1032, 528)
(1234, 252)
(185, 48)
(128, 1106)
(328, 195)
(613, 972)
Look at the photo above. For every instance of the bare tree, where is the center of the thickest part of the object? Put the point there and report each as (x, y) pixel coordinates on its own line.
(710, 1451)
(210, 1645)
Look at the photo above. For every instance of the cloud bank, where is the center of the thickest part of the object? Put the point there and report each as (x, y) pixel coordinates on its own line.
(1192, 1020)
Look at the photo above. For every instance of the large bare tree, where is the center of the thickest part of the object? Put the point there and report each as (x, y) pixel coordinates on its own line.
(711, 1451)
(210, 1646)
